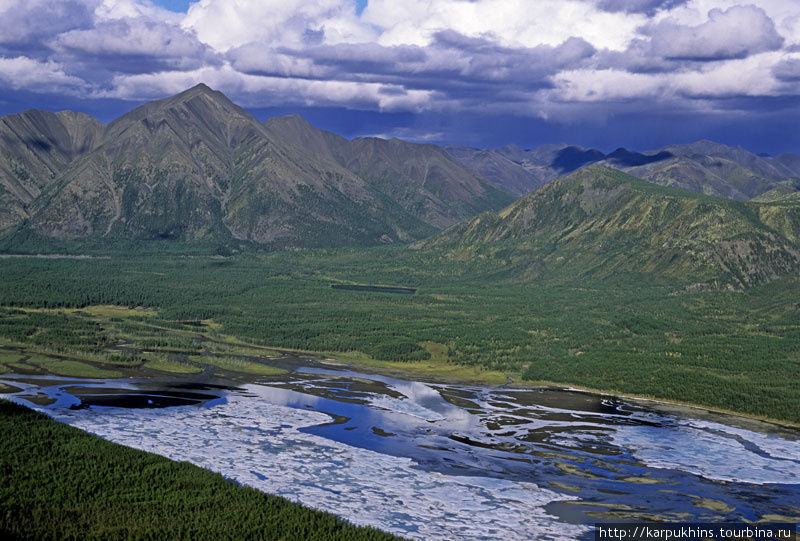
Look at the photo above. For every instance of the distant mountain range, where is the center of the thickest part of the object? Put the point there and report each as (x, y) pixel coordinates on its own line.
(599, 221)
(703, 167)
(198, 167)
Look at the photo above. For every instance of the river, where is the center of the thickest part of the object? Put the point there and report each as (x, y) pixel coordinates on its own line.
(445, 461)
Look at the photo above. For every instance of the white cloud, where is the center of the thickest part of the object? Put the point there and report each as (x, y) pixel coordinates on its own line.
(123, 40)
(733, 33)
(30, 74)
(261, 91)
(609, 85)
(132, 9)
(516, 23)
(29, 21)
(745, 77)
(225, 24)
(515, 56)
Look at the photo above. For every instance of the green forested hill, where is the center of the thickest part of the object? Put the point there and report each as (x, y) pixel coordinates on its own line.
(599, 221)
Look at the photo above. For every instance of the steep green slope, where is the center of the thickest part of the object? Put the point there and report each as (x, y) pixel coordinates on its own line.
(599, 221)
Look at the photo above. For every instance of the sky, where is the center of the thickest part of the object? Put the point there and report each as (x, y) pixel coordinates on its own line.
(485, 73)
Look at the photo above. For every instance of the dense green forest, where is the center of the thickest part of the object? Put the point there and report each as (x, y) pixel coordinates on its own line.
(62, 483)
(627, 333)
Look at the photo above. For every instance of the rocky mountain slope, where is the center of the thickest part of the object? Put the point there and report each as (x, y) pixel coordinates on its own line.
(423, 178)
(197, 167)
(35, 147)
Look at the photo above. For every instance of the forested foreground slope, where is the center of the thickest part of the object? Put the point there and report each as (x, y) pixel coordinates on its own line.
(62, 483)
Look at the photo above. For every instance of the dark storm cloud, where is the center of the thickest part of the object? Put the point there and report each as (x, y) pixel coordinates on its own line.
(426, 59)
(787, 70)
(460, 69)
(649, 7)
(26, 25)
(35, 20)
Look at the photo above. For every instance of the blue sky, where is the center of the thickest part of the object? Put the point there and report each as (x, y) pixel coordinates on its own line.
(599, 73)
(179, 6)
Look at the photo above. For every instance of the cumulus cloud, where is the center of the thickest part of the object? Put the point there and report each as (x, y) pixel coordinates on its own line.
(24, 24)
(733, 33)
(41, 77)
(225, 24)
(261, 91)
(136, 45)
(514, 56)
(513, 23)
(787, 70)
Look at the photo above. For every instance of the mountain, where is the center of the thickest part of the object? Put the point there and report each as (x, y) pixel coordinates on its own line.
(35, 146)
(783, 193)
(602, 222)
(422, 178)
(503, 172)
(521, 171)
(198, 167)
(707, 167)
(703, 167)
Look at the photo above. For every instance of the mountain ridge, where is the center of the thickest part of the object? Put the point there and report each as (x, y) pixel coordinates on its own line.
(600, 221)
(704, 166)
(197, 166)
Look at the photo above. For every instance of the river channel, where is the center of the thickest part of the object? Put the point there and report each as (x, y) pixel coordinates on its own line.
(445, 461)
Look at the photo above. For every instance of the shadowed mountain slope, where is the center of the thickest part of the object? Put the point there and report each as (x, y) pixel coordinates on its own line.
(35, 146)
(709, 168)
(703, 167)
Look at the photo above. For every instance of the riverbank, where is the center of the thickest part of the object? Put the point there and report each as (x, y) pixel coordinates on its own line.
(432, 461)
(258, 361)
(60, 482)
(470, 375)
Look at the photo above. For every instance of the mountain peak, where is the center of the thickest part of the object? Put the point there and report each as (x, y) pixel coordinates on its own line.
(199, 90)
(196, 90)
(199, 104)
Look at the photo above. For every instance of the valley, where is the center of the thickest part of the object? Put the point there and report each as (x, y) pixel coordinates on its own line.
(536, 318)
(632, 333)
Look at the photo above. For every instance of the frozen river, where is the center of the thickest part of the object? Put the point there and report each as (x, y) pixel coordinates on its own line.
(441, 461)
